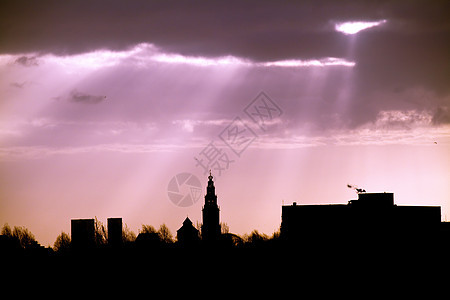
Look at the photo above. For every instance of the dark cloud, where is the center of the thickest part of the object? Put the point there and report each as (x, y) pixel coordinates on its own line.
(27, 61)
(18, 84)
(258, 29)
(412, 46)
(441, 116)
(79, 97)
(409, 51)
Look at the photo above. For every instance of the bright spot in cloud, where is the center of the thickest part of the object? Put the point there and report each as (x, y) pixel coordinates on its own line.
(187, 125)
(355, 27)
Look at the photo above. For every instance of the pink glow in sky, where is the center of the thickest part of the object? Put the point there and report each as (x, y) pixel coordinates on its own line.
(99, 124)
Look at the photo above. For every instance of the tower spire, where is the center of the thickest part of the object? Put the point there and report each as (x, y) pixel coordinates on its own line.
(211, 225)
(210, 190)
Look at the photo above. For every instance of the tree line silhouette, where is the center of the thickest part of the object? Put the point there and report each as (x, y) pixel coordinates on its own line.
(20, 240)
(252, 255)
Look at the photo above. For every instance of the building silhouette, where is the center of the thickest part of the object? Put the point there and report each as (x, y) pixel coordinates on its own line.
(115, 232)
(372, 215)
(83, 233)
(210, 211)
(188, 235)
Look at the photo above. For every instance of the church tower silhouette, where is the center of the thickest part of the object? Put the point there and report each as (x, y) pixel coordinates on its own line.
(211, 225)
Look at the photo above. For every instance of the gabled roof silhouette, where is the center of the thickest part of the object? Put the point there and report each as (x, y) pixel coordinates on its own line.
(187, 222)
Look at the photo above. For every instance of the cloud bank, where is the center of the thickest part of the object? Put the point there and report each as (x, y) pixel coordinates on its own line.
(188, 68)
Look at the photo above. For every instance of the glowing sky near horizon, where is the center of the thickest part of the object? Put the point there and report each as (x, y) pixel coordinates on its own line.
(97, 123)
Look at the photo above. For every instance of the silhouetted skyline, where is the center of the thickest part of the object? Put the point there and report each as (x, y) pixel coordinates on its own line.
(373, 218)
(104, 103)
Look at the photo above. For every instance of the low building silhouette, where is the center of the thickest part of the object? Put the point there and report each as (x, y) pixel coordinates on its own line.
(188, 235)
(373, 214)
(83, 233)
(115, 232)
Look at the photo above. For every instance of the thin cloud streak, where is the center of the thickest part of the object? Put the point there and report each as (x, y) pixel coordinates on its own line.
(362, 137)
(145, 54)
(39, 152)
(325, 62)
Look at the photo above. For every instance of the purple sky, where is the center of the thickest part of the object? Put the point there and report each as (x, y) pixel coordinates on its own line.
(103, 102)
